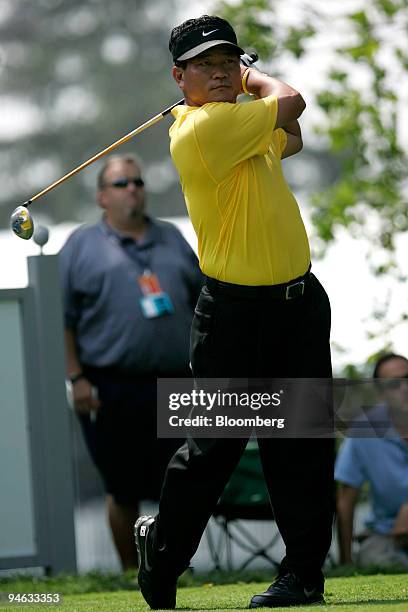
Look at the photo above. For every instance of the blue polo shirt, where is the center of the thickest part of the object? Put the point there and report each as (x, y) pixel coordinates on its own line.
(100, 269)
(383, 463)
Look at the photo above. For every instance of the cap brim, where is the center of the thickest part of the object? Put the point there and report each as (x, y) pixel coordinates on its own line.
(207, 45)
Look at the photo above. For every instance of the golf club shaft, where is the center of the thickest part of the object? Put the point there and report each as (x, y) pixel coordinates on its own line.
(112, 147)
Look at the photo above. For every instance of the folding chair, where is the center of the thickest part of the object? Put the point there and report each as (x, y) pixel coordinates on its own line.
(245, 498)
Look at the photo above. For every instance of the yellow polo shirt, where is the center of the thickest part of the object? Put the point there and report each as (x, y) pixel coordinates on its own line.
(248, 224)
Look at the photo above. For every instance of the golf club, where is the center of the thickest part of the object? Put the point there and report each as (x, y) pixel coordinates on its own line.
(21, 220)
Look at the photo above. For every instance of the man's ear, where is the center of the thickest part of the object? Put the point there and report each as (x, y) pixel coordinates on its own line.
(100, 198)
(178, 76)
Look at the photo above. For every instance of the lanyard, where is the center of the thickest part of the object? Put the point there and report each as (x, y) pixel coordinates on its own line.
(154, 301)
(141, 256)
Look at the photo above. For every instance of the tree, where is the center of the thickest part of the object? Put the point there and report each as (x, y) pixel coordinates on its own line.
(76, 76)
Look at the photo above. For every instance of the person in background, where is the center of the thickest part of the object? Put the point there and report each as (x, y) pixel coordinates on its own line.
(382, 462)
(130, 284)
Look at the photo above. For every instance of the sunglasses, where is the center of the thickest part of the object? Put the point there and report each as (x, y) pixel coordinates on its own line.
(122, 183)
(394, 383)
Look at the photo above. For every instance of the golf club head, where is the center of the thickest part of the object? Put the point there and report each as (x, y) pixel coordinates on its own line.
(22, 223)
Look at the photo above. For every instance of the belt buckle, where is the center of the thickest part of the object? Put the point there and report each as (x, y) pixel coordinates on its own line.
(299, 289)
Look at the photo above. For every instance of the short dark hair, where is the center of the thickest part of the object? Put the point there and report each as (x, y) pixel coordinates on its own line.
(383, 359)
(180, 31)
(128, 158)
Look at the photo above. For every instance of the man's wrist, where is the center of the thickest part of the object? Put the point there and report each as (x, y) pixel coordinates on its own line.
(244, 81)
(73, 378)
(260, 84)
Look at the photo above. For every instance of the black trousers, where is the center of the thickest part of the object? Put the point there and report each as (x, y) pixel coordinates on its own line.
(250, 333)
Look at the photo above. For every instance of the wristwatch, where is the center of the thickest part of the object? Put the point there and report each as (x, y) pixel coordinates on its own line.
(73, 378)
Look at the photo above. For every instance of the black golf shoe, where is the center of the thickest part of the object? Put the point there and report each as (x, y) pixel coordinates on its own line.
(287, 590)
(158, 589)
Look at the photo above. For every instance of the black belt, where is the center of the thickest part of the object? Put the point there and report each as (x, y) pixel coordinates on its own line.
(285, 291)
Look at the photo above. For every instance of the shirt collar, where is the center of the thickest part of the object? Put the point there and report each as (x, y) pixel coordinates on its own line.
(152, 234)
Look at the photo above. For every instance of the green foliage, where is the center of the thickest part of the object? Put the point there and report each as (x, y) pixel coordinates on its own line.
(257, 26)
(88, 72)
(362, 129)
(252, 21)
(296, 38)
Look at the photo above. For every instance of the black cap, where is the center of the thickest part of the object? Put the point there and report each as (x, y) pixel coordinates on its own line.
(203, 37)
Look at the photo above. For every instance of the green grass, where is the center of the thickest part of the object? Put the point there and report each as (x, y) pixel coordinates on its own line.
(119, 593)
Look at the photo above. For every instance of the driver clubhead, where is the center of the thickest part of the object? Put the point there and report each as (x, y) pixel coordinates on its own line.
(22, 223)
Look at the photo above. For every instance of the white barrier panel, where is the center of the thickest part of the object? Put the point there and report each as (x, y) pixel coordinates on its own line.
(16, 507)
(36, 479)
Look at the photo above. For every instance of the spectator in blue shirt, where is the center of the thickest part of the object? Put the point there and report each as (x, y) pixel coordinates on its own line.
(382, 462)
(130, 287)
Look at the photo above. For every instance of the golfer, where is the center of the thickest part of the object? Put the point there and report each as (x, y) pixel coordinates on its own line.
(261, 312)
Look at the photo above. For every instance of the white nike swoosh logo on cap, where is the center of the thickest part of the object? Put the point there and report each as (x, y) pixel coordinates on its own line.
(208, 33)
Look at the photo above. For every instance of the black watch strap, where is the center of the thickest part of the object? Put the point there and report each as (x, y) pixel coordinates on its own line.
(75, 377)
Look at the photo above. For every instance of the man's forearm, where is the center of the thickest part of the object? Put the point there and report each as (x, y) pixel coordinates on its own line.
(73, 365)
(290, 102)
(346, 501)
(345, 535)
(263, 85)
(293, 128)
